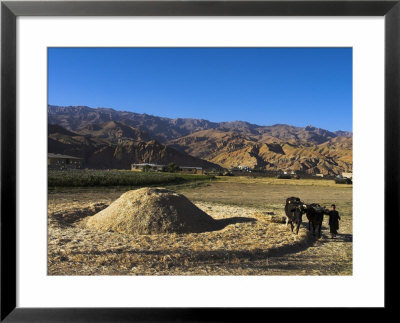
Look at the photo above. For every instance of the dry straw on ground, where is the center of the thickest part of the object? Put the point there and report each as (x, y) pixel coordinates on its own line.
(150, 211)
(271, 217)
(250, 238)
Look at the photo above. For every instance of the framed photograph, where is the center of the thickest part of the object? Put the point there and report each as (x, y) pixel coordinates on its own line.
(164, 158)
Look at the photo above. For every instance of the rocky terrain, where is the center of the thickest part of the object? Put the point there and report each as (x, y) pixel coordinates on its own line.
(231, 149)
(108, 138)
(107, 148)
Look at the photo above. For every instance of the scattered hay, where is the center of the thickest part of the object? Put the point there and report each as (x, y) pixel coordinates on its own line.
(73, 215)
(253, 248)
(152, 211)
(268, 217)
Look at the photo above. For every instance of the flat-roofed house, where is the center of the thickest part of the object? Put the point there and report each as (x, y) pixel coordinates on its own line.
(148, 166)
(347, 175)
(61, 162)
(163, 168)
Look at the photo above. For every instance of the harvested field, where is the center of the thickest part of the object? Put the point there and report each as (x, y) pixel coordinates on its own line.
(252, 241)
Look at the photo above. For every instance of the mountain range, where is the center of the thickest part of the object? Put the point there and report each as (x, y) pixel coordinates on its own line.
(109, 138)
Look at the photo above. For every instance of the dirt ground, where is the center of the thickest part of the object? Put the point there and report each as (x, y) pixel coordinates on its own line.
(253, 242)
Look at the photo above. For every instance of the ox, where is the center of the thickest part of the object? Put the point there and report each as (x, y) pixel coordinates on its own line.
(294, 210)
(315, 215)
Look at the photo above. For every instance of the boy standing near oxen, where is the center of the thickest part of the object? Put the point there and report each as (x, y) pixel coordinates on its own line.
(333, 221)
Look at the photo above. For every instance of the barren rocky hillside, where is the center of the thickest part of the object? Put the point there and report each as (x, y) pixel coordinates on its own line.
(231, 149)
(108, 138)
(111, 150)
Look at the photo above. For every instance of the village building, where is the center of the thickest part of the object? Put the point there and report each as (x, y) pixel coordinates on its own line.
(148, 166)
(163, 168)
(347, 175)
(61, 162)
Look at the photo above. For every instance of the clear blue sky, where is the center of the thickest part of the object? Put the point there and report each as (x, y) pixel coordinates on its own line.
(265, 86)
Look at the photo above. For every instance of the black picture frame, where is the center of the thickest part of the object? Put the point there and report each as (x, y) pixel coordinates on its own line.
(10, 10)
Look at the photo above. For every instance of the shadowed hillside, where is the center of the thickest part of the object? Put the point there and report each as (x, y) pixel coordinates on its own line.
(110, 138)
(105, 151)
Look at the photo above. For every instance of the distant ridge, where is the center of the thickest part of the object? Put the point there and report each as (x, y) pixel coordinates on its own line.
(213, 144)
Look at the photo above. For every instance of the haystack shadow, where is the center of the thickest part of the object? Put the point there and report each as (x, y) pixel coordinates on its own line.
(222, 223)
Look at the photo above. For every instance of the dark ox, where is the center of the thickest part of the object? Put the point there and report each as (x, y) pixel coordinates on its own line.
(315, 215)
(294, 210)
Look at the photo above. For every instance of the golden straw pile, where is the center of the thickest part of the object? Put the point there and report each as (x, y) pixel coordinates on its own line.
(152, 211)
